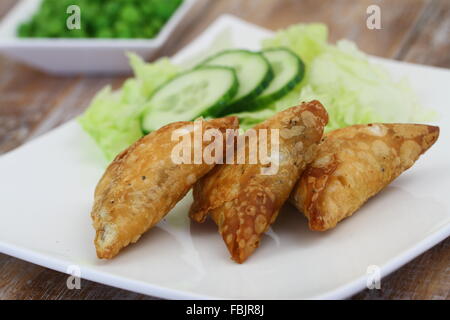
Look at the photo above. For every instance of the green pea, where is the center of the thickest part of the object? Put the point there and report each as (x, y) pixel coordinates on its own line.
(129, 14)
(101, 18)
(112, 8)
(24, 30)
(104, 33)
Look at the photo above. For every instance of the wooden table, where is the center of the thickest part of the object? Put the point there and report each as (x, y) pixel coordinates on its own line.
(32, 103)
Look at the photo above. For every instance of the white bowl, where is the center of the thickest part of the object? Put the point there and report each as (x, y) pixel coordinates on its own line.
(73, 56)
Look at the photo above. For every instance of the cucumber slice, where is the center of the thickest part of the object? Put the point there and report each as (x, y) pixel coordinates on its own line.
(204, 91)
(288, 69)
(252, 70)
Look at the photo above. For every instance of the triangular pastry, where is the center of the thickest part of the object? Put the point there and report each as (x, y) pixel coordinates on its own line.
(143, 184)
(355, 163)
(244, 202)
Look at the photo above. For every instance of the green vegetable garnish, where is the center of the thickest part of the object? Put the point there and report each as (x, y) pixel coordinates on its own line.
(352, 89)
(113, 118)
(100, 19)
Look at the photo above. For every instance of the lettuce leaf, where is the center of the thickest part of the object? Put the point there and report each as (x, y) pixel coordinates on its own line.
(113, 117)
(306, 40)
(152, 75)
(353, 89)
(356, 91)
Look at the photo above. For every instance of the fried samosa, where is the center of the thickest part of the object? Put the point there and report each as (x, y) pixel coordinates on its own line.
(355, 163)
(244, 200)
(143, 184)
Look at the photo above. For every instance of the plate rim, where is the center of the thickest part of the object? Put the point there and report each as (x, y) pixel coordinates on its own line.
(13, 17)
(157, 291)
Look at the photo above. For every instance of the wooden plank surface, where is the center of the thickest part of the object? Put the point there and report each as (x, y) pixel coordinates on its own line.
(32, 103)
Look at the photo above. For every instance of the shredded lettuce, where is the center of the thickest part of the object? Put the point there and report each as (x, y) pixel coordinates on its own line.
(152, 75)
(306, 40)
(113, 117)
(353, 89)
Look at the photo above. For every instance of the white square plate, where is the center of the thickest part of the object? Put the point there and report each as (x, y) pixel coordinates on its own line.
(73, 56)
(47, 185)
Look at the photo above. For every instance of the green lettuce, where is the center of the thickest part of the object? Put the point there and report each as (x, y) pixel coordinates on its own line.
(152, 75)
(113, 117)
(306, 40)
(353, 89)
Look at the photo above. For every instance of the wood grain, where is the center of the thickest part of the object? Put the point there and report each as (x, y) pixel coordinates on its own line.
(431, 43)
(31, 103)
(345, 19)
(27, 106)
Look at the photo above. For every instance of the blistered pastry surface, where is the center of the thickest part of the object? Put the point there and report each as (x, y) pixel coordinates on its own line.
(355, 163)
(142, 184)
(242, 201)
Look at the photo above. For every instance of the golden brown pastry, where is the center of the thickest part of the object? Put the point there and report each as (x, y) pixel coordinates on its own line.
(243, 201)
(143, 183)
(355, 163)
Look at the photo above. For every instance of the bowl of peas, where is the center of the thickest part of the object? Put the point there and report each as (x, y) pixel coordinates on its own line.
(88, 36)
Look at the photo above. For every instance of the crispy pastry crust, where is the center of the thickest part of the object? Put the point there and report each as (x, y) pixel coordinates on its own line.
(355, 163)
(242, 201)
(142, 185)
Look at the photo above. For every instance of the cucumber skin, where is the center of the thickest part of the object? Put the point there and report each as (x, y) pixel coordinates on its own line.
(211, 112)
(242, 104)
(261, 102)
(222, 103)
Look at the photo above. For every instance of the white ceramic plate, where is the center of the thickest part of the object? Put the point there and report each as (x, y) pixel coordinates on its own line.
(46, 190)
(72, 56)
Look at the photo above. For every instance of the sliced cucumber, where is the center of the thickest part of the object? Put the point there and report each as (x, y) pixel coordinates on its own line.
(288, 69)
(204, 91)
(252, 70)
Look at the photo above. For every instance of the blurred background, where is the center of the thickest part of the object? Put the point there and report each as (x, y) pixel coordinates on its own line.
(33, 101)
